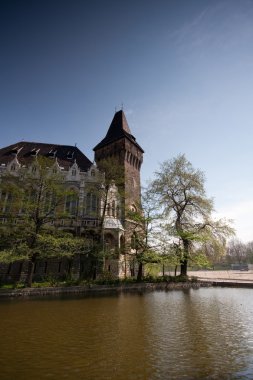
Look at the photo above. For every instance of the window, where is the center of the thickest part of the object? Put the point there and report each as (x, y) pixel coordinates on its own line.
(2, 196)
(133, 208)
(13, 167)
(91, 204)
(52, 153)
(113, 209)
(47, 203)
(71, 204)
(133, 241)
(8, 202)
(109, 242)
(73, 172)
(70, 155)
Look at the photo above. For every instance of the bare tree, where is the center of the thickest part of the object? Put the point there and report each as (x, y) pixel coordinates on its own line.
(237, 252)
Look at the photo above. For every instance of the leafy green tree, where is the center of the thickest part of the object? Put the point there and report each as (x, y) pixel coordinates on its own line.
(31, 204)
(169, 252)
(142, 230)
(178, 190)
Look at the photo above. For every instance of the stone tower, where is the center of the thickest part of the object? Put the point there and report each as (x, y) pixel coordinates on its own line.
(119, 143)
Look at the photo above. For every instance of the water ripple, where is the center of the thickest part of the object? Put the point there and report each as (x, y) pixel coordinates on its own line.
(195, 334)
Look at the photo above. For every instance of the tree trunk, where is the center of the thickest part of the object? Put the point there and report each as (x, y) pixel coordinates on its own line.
(184, 267)
(139, 275)
(70, 262)
(184, 261)
(175, 271)
(94, 275)
(30, 272)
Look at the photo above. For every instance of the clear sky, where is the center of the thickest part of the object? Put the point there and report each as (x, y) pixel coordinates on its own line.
(183, 70)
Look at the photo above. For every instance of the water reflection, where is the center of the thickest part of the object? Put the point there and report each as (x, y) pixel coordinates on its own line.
(196, 334)
(201, 335)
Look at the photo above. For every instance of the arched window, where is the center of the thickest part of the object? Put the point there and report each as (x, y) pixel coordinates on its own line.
(91, 204)
(3, 196)
(7, 205)
(47, 202)
(133, 208)
(110, 242)
(113, 209)
(94, 203)
(133, 241)
(71, 203)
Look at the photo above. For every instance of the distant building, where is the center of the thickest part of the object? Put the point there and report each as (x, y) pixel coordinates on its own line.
(84, 213)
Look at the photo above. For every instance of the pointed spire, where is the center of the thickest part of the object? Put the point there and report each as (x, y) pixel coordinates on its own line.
(118, 129)
(118, 125)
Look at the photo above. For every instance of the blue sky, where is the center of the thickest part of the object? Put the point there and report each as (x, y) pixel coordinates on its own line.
(183, 70)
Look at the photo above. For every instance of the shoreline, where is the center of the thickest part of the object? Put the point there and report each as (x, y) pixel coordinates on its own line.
(90, 290)
(204, 279)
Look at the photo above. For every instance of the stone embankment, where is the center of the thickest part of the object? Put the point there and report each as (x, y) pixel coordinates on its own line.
(90, 290)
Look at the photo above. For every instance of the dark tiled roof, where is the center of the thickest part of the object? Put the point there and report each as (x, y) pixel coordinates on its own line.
(117, 130)
(26, 151)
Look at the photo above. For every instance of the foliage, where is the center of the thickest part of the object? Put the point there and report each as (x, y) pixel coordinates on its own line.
(107, 278)
(141, 224)
(152, 269)
(179, 192)
(35, 200)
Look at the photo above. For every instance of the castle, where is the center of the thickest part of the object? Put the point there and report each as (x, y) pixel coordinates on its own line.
(119, 155)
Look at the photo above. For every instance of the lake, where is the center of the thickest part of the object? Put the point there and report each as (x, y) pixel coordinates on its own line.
(192, 334)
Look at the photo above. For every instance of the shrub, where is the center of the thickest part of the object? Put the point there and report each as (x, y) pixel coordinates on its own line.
(107, 278)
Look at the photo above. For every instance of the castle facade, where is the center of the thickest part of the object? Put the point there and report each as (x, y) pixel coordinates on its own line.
(105, 191)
